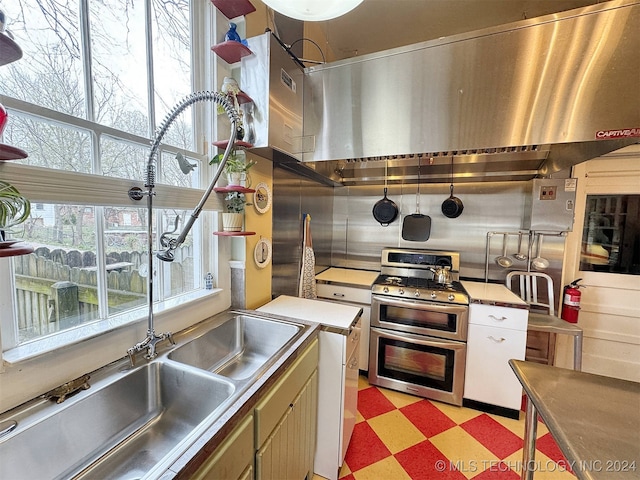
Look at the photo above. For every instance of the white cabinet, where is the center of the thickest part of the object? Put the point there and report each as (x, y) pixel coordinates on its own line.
(337, 399)
(339, 342)
(496, 335)
(350, 287)
(500, 317)
(350, 400)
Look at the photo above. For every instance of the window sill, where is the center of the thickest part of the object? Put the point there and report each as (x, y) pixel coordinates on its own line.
(67, 338)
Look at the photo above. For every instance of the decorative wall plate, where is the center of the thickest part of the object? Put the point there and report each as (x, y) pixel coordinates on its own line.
(262, 198)
(262, 252)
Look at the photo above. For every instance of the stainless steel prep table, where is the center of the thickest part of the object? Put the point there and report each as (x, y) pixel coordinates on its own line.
(595, 420)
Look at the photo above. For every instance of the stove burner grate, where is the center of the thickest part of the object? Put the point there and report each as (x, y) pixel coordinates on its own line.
(393, 280)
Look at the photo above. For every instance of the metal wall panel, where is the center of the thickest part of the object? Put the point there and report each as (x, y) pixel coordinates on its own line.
(292, 196)
(358, 239)
(275, 84)
(345, 234)
(551, 80)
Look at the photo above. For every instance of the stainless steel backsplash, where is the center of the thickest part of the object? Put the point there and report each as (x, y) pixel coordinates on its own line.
(292, 196)
(345, 234)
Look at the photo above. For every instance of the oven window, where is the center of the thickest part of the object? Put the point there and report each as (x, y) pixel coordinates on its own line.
(414, 317)
(416, 364)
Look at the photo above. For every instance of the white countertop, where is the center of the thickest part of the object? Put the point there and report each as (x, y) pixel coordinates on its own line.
(492, 293)
(348, 276)
(325, 313)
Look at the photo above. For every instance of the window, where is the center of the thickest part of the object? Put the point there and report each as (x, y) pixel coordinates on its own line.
(79, 104)
(611, 234)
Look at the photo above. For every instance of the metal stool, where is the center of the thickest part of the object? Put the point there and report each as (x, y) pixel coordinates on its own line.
(541, 322)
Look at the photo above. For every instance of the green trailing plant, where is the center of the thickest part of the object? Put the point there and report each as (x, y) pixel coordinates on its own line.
(14, 208)
(235, 163)
(235, 202)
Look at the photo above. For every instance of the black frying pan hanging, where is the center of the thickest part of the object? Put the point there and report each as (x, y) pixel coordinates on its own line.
(452, 207)
(416, 227)
(385, 210)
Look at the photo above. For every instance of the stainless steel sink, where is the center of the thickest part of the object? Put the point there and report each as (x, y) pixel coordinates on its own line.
(121, 430)
(135, 423)
(239, 348)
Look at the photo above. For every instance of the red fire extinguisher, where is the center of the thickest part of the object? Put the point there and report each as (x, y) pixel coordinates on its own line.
(571, 302)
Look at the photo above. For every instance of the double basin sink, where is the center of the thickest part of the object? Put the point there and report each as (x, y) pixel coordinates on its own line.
(135, 422)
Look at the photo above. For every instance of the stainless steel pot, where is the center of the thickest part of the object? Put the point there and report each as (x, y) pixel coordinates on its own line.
(442, 275)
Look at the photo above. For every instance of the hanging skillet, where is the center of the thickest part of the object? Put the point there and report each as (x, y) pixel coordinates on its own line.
(452, 207)
(416, 227)
(385, 211)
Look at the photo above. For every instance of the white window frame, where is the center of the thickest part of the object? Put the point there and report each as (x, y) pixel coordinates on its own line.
(43, 185)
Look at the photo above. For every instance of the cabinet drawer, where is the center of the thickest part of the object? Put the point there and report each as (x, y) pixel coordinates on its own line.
(503, 317)
(272, 407)
(347, 294)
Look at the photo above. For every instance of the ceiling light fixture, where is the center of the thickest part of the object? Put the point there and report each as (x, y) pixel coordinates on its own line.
(312, 10)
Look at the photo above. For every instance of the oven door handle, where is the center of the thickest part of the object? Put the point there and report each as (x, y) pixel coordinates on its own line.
(421, 340)
(420, 304)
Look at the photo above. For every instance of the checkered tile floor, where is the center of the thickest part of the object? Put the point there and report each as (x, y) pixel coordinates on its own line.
(399, 436)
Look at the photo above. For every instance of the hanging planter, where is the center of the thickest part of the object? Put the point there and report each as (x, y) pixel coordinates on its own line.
(14, 208)
(233, 218)
(236, 179)
(232, 222)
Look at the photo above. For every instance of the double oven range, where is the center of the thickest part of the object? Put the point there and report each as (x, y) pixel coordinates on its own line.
(418, 325)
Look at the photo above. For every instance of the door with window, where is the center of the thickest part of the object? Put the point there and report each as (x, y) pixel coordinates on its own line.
(604, 251)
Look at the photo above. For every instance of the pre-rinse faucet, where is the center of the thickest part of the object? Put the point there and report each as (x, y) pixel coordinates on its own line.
(169, 243)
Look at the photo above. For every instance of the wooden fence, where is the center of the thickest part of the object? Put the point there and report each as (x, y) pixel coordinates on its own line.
(57, 289)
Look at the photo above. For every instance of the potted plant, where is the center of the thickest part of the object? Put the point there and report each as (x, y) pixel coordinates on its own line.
(232, 219)
(14, 208)
(236, 167)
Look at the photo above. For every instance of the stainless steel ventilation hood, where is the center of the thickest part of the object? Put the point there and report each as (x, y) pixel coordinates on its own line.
(273, 120)
(514, 102)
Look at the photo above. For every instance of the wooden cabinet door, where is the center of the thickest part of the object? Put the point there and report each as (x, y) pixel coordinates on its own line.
(288, 452)
(233, 459)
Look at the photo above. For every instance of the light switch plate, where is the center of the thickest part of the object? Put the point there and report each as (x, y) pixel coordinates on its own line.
(548, 192)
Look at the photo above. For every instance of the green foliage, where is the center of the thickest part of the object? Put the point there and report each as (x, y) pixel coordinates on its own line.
(235, 202)
(14, 208)
(235, 163)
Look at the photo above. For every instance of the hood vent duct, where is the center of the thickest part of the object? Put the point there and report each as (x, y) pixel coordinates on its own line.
(513, 102)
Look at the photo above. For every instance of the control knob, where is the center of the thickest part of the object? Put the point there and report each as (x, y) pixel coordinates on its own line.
(385, 289)
(451, 297)
(417, 294)
(401, 291)
(434, 295)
